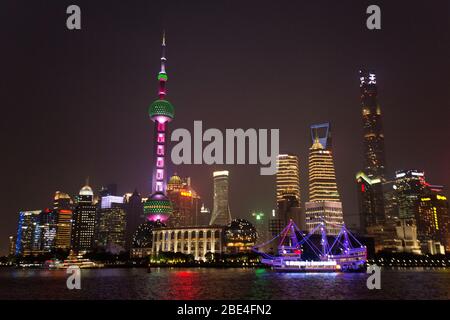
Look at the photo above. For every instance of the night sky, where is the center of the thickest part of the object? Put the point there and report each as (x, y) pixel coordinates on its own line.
(74, 103)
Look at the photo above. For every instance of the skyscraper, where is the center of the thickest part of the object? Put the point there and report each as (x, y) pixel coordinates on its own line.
(433, 221)
(374, 157)
(28, 235)
(135, 216)
(410, 185)
(324, 204)
(370, 181)
(48, 221)
(288, 189)
(63, 206)
(185, 201)
(322, 177)
(288, 177)
(221, 211)
(84, 217)
(111, 225)
(158, 206)
(370, 200)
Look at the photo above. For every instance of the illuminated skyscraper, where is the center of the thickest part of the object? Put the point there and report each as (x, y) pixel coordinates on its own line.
(84, 217)
(161, 111)
(28, 233)
(374, 157)
(322, 177)
(433, 221)
(63, 206)
(185, 201)
(324, 204)
(288, 177)
(111, 225)
(221, 211)
(410, 185)
(48, 222)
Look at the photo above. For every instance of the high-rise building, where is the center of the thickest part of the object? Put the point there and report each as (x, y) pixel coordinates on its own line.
(135, 216)
(374, 157)
(111, 225)
(324, 204)
(370, 181)
(370, 200)
(63, 206)
(186, 203)
(28, 233)
(433, 221)
(410, 185)
(221, 211)
(158, 206)
(322, 177)
(84, 217)
(288, 188)
(48, 222)
(288, 177)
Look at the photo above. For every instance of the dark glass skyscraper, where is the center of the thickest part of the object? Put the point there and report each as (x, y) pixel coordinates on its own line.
(370, 180)
(374, 158)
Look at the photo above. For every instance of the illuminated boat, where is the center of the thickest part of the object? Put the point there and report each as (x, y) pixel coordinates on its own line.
(341, 256)
(73, 260)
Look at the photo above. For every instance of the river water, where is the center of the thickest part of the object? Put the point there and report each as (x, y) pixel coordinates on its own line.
(208, 283)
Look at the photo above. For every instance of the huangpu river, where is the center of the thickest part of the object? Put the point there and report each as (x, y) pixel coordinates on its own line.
(233, 283)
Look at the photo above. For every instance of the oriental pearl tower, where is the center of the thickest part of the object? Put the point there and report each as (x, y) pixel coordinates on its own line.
(158, 207)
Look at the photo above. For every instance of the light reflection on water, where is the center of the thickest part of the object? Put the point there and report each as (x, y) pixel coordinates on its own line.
(199, 283)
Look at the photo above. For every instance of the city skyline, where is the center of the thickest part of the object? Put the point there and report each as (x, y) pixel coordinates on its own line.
(411, 94)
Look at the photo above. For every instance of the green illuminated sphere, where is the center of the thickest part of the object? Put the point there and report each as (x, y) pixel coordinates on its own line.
(161, 108)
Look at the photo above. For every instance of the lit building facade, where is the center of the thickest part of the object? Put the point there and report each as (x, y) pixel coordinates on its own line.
(433, 221)
(240, 236)
(186, 203)
(324, 204)
(48, 223)
(322, 177)
(410, 185)
(63, 206)
(221, 211)
(328, 212)
(197, 241)
(288, 177)
(84, 218)
(28, 233)
(158, 206)
(111, 225)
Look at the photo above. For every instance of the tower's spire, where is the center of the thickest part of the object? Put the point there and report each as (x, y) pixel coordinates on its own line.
(162, 76)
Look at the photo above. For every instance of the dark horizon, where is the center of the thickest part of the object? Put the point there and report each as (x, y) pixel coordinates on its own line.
(75, 102)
